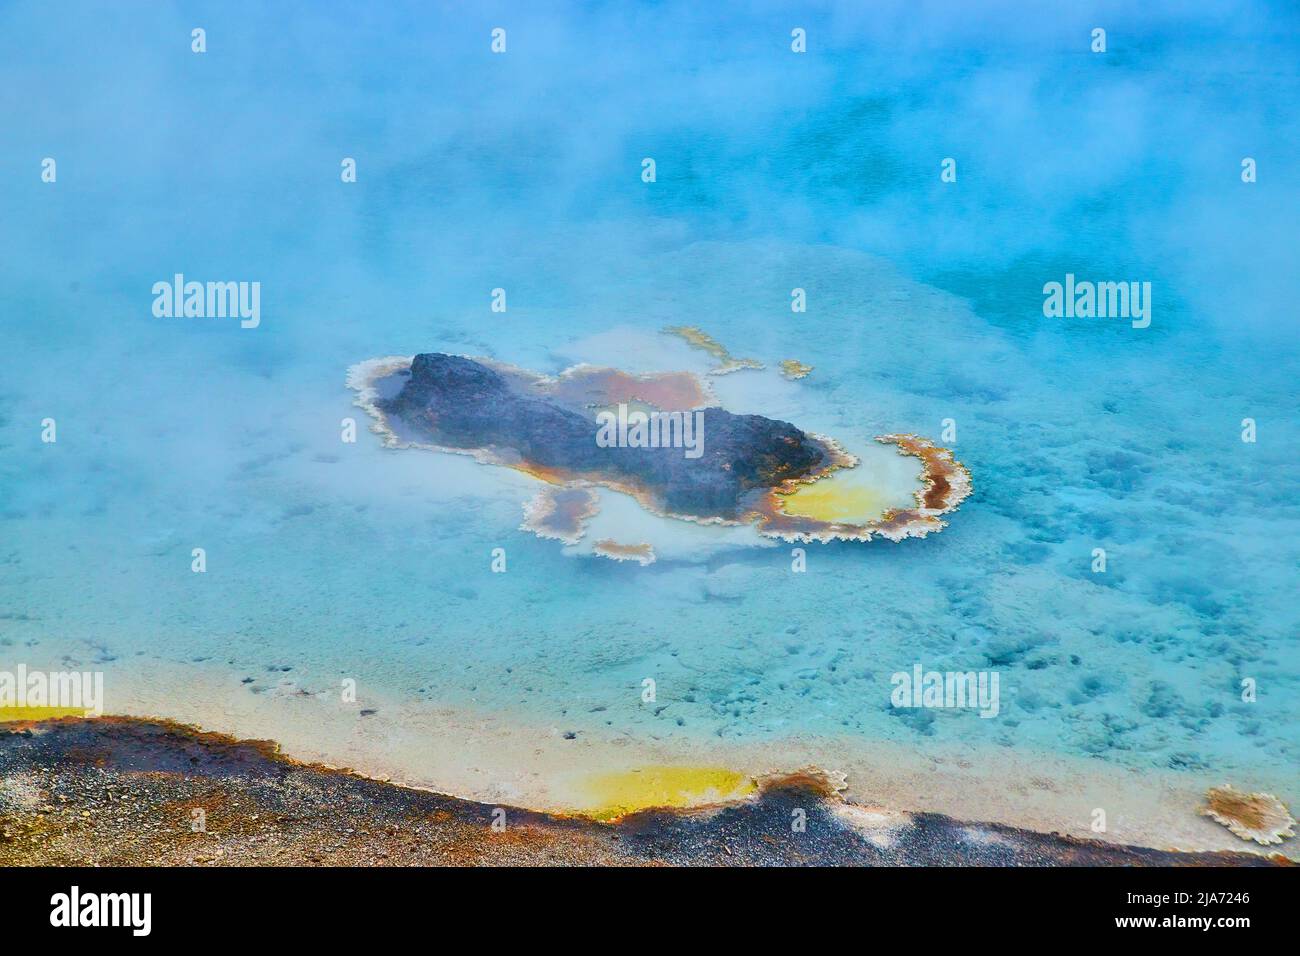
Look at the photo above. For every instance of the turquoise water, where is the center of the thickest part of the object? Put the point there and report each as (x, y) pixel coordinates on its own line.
(774, 171)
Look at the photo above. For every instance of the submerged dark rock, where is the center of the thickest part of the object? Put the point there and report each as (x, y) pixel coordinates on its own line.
(456, 402)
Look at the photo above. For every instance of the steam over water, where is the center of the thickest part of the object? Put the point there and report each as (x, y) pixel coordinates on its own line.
(328, 560)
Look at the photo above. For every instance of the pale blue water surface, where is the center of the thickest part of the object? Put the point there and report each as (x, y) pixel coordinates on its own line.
(775, 171)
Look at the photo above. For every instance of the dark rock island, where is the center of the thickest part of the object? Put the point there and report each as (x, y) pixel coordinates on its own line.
(660, 437)
(459, 403)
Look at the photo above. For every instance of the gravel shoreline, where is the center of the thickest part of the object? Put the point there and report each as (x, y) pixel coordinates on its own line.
(127, 791)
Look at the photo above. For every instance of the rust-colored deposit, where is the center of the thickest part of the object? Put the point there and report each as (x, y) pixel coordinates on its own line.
(1261, 817)
(793, 369)
(561, 512)
(641, 552)
(595, 387)
(698, 338)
